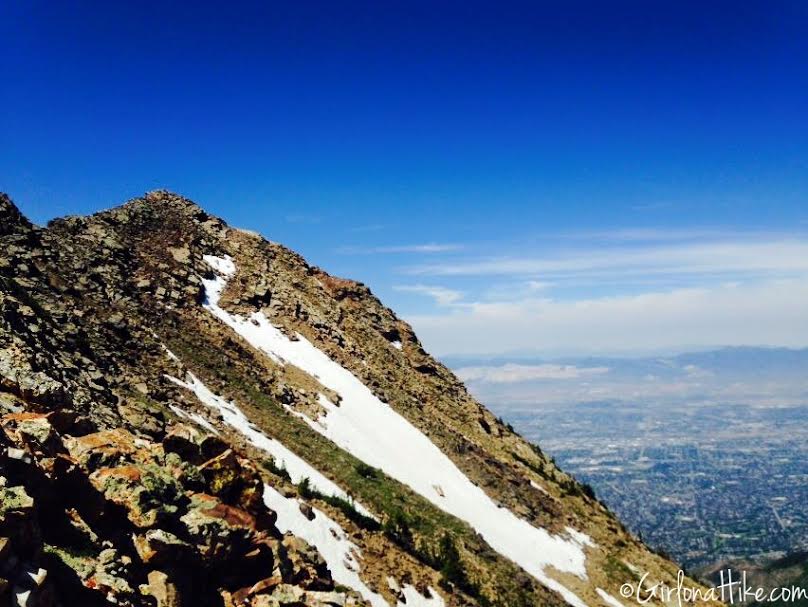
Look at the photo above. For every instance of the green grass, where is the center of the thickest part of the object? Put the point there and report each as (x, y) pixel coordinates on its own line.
(347, 508)
(617, 571)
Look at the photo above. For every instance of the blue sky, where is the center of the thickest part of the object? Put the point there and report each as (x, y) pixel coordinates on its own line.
(545, 177)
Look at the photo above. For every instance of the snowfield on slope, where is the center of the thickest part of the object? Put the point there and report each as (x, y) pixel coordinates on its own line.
(341, 555)
(325, 534)
(297, 467)
(328, 536)
(373, 432)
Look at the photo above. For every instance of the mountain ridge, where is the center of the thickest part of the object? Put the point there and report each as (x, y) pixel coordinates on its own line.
(150, 317)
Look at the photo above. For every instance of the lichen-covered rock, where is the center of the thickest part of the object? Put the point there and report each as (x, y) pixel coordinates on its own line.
(220, 532)
(101, 449)
(147, 493)
(158, 547)
(222, 473)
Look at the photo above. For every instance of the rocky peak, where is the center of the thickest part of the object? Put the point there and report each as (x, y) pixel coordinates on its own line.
(164, 202)
(11, 220)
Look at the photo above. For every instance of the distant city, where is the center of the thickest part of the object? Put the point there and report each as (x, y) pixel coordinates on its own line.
(703, 481)
(704, 484)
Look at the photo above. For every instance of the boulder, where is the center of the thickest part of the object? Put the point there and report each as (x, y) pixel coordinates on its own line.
(148, 493)
(220, 532)
(159, 547)
(222, 473)
(162, 589)
(101, 449)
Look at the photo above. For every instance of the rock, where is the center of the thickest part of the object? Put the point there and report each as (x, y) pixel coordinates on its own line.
(163, 590)
(220, 532)
(31, 589)
(222, 473)
(11, 220)
(307, 510)
(148, 493)
(15, 503)
(101, 448)
(310, 568)
(19, 455)
(180, 254)
(159, 547)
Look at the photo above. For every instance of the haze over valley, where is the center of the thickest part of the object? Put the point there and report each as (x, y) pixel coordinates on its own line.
(705, 454)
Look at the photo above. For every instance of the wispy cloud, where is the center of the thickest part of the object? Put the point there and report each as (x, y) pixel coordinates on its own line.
(515, 373)
(780, 257)
(441, 295)
(408, 248)
(627, 291)
(655, 234)
(768, 312)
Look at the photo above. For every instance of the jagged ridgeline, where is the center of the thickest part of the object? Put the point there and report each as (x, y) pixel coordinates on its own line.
(193, 415)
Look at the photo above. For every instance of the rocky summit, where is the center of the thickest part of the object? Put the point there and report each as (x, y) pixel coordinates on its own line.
(195, 416)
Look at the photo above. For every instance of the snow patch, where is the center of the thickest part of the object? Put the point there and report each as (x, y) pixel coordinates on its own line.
(223, 265)
(374, 433)
(608, 598)
(169, 353)
(396, 344)
(194, 417)
(580, 538)
(340, 554)
(536, 485)
(413, 598)
(297, 467)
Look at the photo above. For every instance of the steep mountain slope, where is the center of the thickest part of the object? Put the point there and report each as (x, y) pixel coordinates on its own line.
(217, 422)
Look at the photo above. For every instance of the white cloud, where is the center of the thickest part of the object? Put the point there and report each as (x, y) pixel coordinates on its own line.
(771, 312)
(513, 373)
(773, 257)
(441, 295)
